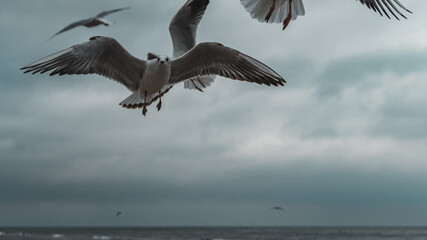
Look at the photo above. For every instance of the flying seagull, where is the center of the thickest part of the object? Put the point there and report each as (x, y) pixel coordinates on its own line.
(150, 79)
(283, 11)
(91, 22)
(118, 213)
(278, 208)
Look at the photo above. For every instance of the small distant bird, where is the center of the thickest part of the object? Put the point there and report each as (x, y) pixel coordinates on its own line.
(278, 208)
(150, 79)
(118, 213)
(283, 11)
(91, 22)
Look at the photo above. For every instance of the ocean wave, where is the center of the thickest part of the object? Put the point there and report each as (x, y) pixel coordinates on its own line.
(102, 237)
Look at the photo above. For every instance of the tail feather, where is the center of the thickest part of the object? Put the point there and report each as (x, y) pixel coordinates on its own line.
(132, 100)
(137, 101)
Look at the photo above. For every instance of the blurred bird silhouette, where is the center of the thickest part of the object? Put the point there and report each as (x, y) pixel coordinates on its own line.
(91, 22)
(118, 213)
(278, 208)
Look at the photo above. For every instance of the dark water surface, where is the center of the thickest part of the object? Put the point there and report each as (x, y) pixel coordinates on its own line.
(217, 233)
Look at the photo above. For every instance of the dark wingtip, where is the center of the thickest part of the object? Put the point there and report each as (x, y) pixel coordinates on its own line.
(27, 69)
(54, 35)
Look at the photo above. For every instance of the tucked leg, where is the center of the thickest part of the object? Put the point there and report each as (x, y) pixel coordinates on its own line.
(144, 109)
(268, 16)
(194, 84)
(289, 17)
(201, 83)
(159, 105)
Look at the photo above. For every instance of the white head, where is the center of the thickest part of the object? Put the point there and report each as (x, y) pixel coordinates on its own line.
(158, 59)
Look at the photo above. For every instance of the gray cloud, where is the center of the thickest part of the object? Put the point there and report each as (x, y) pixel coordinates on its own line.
(355, 70)
(342, 143)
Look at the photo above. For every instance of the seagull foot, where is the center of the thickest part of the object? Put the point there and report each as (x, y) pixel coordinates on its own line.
(195, 86)
(270, 12)
(144, 111)
(286, 22)
(289, 17)
(159, 105)
(200, 81)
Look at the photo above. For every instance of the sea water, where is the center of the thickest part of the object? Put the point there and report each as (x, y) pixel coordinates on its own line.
(218, 233)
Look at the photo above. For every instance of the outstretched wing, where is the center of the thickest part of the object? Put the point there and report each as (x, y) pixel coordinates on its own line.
(384, 6)
(105, 13)
(183, 26)
(215, 59)
(71, 26)
(100, 55)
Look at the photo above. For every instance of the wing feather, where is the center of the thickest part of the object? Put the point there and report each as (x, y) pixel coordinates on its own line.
(385, 7)
(105, 13)
(215, 59)
(100, 55)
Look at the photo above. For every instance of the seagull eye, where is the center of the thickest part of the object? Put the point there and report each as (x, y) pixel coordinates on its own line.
(167, 59)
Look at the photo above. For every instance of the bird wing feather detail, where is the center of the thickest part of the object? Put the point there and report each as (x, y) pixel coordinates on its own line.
(212, 58)
(385, 7)
(100, 55)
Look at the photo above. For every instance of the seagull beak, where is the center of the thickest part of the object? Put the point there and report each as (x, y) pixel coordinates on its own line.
(162, 62)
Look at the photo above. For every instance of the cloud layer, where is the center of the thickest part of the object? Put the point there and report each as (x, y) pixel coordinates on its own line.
(343, 143)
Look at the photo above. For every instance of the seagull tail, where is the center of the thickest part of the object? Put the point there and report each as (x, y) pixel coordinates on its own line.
(136, 101)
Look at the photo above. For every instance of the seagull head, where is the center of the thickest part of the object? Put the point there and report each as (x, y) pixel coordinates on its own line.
(163, 59)
(158, 59)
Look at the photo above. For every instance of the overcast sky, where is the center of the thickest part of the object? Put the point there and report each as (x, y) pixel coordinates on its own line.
(343, 143)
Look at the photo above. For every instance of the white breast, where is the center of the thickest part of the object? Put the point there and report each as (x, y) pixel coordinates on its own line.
(155, 78)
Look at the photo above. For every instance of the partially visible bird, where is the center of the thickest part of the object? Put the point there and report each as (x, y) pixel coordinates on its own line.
(91, 22)
(278, 208)
(118, 213)
(283, 11)
(183, 30)
(274, 11)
